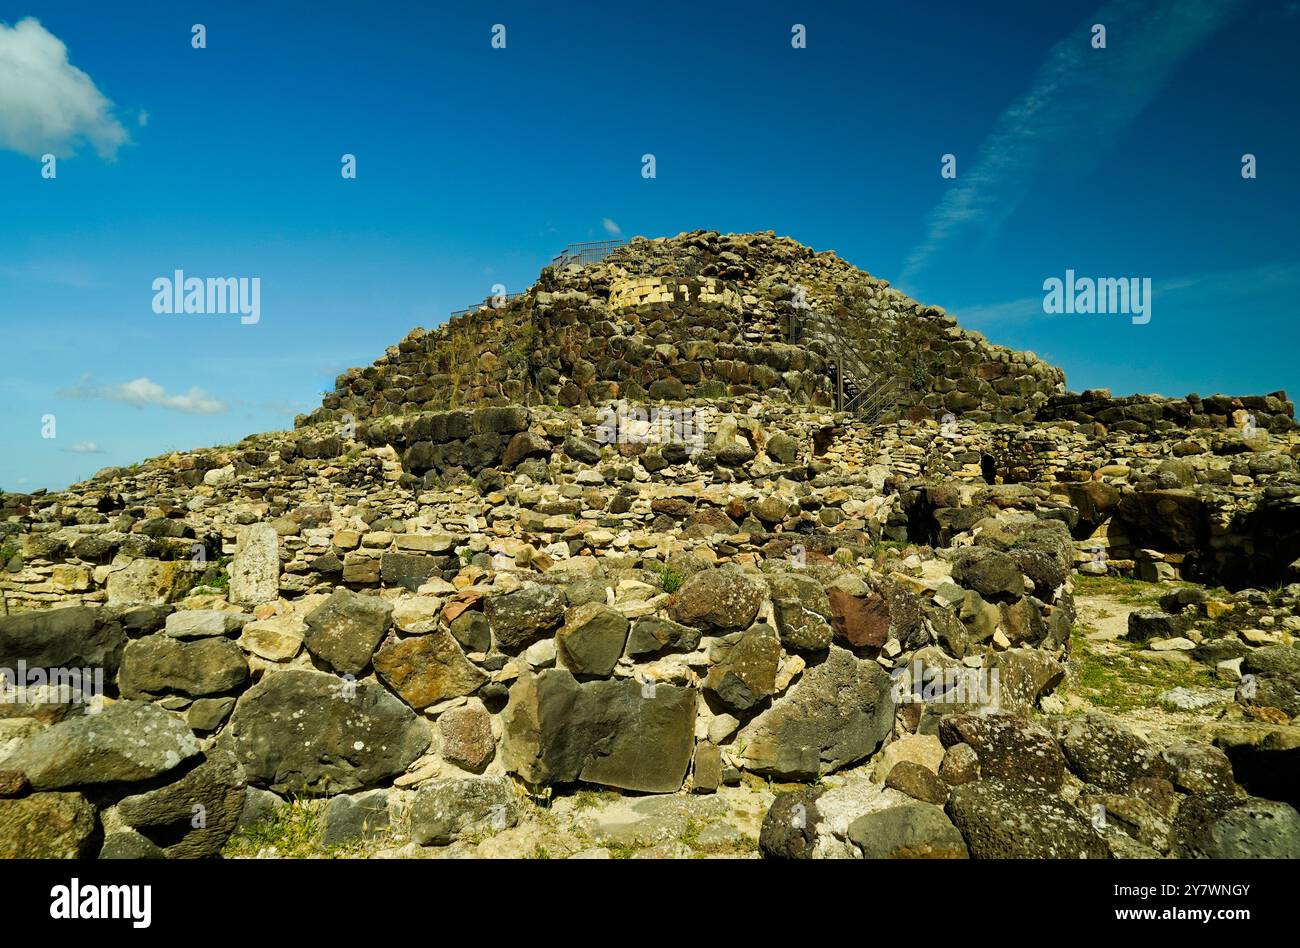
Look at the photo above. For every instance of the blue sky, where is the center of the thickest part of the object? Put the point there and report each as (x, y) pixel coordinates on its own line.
(476, 165)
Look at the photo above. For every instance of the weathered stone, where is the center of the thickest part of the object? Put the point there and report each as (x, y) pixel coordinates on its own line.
(1008, 747)
(654, 634)
(908, 831)
(71, 637)
(255, 568)
(838, 713)
(193, 816)
(426, 669)
(467, 736)
(615, 733)
(126, 742)
(201, 623)
(990, 573)
(46, 826)
(919, 782)
(746, 672)
(520, 618)
(859, 621)
(723, 598)
(277, 639)
(1000, 819)
(1232, 827)
(592, 639)
(146, 581)
(160, 665)
(344, 630)
(803, 612)
(448, 810)
(1106, 754)
(305, 731)
(348, 818)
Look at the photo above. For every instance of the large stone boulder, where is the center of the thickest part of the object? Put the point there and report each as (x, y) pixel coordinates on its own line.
(909, 831)
(305, 731)
(803, 612)
(592, 639)
(789, 829)
(745, 667)
(447, 810)
(838, 713)
(1004, 820)
(1008, 747)
(426, 669)
(72, 637)
(520, 618)
(126, 742)
(46, 826)
(148, 582)
(1106, 754)
(724, 598)
(616, 733)
(1232, 827)
(159, 665)
(194, 816)
(992, 574)
(344, 630)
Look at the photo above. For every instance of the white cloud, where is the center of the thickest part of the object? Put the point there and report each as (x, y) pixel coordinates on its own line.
(142, 392)
(85, 447)
(1080, 100)
(46, 103)
(611, 228)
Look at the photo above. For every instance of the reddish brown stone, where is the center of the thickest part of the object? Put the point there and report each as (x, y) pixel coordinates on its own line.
(862, 622)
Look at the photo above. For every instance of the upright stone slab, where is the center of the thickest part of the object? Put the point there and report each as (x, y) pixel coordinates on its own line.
(255, 569)
(616, 733)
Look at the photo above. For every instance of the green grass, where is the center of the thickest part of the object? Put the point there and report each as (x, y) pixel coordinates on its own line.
(1123, 682)
(669, 577)
(1132, 592)
(293, 832)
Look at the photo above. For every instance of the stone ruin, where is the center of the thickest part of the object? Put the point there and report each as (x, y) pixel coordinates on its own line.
(700, 519)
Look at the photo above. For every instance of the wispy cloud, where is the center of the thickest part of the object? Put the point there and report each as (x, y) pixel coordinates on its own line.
(1080, 100)
(142, 392)
(46, 103)
(611, 228)
(84, 447)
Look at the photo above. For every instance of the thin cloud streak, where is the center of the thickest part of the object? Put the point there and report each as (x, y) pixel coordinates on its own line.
(1080, 101)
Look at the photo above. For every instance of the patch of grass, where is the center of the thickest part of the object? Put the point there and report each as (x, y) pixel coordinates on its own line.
(1131, 592)
(669, 577)
(586, 799)
(8, 552)
(1123, 682)
(293, 833)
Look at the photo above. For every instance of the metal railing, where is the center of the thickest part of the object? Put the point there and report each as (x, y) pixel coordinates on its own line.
(859, 388)
(488, 303)
(581, 254)
(592, 251)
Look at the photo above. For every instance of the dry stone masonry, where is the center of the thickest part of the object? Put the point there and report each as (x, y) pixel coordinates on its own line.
(454, 593)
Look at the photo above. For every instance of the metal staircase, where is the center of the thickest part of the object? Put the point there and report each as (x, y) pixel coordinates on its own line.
(859, 388)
